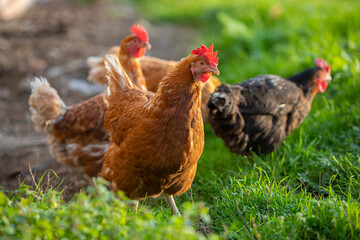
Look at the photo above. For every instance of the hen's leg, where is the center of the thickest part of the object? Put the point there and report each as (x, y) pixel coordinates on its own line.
(135, 205)
(174, 209)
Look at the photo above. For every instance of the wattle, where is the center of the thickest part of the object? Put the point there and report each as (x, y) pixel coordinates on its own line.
(139, 52)
(205, 76)
(322, 85)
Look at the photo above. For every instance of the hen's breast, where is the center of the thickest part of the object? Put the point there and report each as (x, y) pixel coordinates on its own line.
(158, 155)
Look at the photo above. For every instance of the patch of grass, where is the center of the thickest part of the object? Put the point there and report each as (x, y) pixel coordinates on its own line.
(97, 214)
(315, 184)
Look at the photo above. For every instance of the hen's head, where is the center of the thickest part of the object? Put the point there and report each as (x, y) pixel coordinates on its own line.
(323, 75)
(204, 63)
(224, 99)
(137, 43)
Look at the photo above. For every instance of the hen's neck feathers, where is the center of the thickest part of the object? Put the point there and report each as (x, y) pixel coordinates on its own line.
(178, 86)
(305, 81)
(131, 65)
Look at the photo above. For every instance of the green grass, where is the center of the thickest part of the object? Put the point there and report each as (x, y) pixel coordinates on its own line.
(97, 214)
(308, 189)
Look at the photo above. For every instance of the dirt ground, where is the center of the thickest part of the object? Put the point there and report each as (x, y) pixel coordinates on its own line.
(53, 39)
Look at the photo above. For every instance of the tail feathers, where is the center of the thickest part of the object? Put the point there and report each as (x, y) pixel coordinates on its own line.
(118, 80)
(45, 104)
(94, 61)
(98, 75)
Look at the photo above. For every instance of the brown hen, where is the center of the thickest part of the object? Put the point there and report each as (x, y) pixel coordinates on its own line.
(76, 135)
(157, 138)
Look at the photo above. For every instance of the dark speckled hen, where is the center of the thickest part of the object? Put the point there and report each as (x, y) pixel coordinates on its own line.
(257, 114)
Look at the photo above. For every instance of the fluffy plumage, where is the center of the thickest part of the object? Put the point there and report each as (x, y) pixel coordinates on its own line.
(76, 135)
(43, 113)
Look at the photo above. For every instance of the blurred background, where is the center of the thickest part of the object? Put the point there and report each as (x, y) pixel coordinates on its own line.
(53, 38)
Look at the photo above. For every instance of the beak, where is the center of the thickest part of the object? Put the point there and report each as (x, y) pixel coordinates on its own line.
(214, 70)
(147, 45)
(328, 78)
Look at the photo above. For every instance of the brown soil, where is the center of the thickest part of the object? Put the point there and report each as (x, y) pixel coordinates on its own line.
(53, 39)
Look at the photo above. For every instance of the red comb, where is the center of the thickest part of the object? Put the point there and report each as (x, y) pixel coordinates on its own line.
(208, 53)
(321, 63)
(140, 32)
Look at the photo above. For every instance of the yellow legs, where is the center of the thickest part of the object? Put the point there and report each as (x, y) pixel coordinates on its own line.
(174, 209)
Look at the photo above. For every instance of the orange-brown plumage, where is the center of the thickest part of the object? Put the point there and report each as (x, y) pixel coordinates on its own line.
(154, 70)
(157, 138)
(76, 133)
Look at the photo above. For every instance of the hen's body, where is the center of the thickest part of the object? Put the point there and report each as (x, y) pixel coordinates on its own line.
(154, 70)
(157, 138)
(257, 114)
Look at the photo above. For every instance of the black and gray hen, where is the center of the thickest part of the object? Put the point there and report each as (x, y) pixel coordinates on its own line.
(257, 114)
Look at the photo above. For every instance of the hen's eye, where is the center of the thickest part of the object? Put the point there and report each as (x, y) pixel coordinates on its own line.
(202, 63)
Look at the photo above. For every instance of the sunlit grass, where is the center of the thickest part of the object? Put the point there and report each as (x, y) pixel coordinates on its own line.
(95, 214)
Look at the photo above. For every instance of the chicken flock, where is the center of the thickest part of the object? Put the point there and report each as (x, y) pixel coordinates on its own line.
(145, 133)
